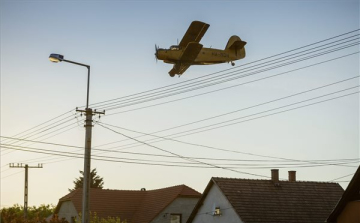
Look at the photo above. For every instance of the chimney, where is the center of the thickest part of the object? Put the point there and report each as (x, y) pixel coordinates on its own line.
(275, 176)
(292, 176)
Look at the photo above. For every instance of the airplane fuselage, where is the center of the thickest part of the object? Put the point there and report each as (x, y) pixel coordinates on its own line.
(206, 56)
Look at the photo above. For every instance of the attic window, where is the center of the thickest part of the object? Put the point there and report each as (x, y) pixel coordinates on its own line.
(217, 211)
(175, 218)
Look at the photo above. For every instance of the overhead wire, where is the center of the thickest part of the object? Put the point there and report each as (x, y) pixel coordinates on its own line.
(44, 129)
(172, 156)
(247, 116)
(42, 123)
(301, 93)
(320, 41)
(236, 85)
(261, 104)
(323, 162)
(154, 141)
(48, 133)
(174, 91)
(338, 178)
(313, 89)
(238, 164)
(182, 156)
(204, 76)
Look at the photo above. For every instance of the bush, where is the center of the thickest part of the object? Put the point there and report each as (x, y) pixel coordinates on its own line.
(15, 214)
(96, 219)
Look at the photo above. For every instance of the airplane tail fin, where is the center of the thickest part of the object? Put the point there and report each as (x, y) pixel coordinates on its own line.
(237, 45)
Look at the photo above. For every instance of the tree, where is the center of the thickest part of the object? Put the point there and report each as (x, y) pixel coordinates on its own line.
(95, 181)
(15, 214)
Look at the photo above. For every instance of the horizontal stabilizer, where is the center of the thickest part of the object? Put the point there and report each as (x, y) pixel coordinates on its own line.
(235, 43)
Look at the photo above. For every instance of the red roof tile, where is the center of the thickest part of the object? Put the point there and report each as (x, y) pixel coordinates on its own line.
(134, 206)
(260, 201)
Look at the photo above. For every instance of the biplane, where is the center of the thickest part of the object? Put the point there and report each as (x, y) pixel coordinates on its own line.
(190, 52)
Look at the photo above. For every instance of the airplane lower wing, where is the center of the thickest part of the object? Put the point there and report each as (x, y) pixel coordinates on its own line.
(189, 55)
(178, 69)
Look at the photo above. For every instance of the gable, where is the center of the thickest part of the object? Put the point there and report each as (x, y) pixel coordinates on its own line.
(215, 198)
(181, 205)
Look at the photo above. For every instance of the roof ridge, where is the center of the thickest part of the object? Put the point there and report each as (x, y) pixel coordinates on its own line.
(297, 181)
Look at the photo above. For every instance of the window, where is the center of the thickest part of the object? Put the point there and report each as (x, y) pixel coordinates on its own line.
(175, 218)
(217, 211)
(174, 47)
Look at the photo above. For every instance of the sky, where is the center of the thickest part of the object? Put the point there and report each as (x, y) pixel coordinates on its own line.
(117, 39)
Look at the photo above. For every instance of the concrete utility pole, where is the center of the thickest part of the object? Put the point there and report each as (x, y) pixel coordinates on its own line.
(88, 134)
(26, 188)
(87, 161)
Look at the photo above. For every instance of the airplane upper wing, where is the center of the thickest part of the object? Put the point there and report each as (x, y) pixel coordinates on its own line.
(194, 33)
(189, 55)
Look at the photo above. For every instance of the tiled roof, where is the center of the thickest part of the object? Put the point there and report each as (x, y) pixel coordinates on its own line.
(351, 193)
(260, 201)
(134, 206)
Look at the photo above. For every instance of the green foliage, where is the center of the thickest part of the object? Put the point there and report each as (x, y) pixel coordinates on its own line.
(96, 219)
(15, 214)
(95, 181)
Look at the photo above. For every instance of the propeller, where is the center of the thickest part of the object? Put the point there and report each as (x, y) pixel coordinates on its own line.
(156, 53)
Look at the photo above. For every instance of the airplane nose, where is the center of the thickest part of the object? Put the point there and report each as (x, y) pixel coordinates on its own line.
(156, 52)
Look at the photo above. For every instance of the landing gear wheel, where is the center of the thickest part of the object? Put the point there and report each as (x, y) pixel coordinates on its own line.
(232, 64)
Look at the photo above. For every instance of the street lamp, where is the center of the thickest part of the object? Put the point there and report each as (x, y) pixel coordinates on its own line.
(58, 58)
(88, 131)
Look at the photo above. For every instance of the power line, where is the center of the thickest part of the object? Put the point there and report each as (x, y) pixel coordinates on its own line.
(246, 165)
(194, 160)
(174, 91)
(48, 127)
(270, 109)
(225, 88)
(261, 104)
(204, 76)
(342, 177)
(42, 123)
(339, 40)
(323, 162)
(222, 126)
(254, 114)
(72, 127)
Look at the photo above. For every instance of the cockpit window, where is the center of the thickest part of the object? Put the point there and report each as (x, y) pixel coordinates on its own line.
(174, 47)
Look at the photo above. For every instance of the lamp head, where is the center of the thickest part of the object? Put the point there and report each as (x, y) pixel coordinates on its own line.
(56, 57)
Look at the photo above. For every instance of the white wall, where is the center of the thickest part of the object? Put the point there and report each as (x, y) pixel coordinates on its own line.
(67, 210)
(180, 205)
(215, 198)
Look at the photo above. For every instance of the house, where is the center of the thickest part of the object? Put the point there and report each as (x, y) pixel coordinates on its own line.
(265, 201)
(166, 205)
(347, 209)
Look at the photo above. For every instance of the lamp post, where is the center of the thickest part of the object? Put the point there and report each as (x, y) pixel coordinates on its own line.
(88, 133)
